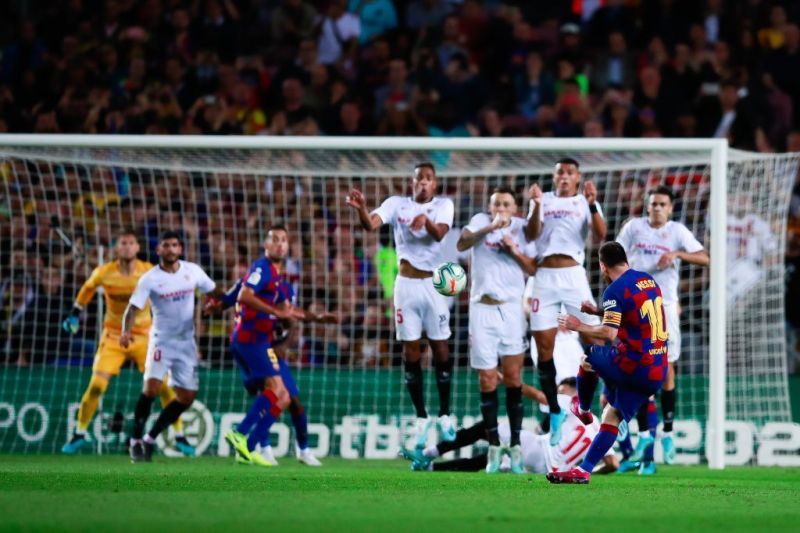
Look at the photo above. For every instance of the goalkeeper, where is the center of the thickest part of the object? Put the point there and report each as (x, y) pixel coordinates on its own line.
(118, 280)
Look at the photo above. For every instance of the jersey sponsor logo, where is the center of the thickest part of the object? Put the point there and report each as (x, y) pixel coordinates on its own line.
(561, 213)
(609, 303)
(176, 295)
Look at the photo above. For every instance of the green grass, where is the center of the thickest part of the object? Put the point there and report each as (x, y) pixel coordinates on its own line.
(109, 494)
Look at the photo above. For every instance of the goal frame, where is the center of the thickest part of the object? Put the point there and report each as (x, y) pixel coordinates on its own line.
(717, 150)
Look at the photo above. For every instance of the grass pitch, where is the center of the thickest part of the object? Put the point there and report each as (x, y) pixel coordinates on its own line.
(88, 493)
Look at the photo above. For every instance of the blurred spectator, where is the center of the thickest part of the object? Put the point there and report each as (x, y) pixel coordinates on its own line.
(338, 40)
(376, 17)
(424, 14)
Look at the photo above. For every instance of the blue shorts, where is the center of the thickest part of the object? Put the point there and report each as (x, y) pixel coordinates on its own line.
(288, 379)
(625, 391)
(256, 361)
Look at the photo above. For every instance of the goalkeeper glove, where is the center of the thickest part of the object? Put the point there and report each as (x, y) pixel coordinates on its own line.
(71, 324)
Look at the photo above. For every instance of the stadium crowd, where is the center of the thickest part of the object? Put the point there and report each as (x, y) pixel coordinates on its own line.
(450, 68)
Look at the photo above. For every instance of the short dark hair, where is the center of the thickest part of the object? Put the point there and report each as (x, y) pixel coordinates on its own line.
(569, 382)
(171, 234)
(278, 227)
(568, 161)
(505, 189)
(662, 189)
(425, 164)
(612, 254)
(128, 232)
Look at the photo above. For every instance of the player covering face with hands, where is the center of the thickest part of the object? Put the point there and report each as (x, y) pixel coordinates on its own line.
(420, 223)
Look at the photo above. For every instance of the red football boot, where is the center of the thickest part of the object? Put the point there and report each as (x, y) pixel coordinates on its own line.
(574, 476)
(586, 418)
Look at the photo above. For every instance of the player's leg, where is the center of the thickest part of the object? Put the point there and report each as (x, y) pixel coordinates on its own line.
(668, 393)
(184, 397)
(512, 379)
(648, 465)
(646, 440)
(475, 463)
(138, 450)
(436, 321)
(299, 419)
(422, 460)
(277, 399)
(485, 337)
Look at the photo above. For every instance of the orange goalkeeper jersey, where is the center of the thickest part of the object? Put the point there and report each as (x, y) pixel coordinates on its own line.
(117, 289)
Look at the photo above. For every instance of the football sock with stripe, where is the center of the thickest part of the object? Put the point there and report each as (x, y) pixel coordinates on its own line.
(600, 445)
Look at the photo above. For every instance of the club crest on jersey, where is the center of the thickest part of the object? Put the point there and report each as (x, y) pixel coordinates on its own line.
(255, 277)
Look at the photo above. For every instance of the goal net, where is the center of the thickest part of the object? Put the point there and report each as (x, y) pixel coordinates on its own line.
(64, 201)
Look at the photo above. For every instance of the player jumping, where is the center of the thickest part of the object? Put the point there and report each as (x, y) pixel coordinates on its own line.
(420, 223)
(496, 319)
(118, 280)
(170, 288)
(560, 221)
(632, 359)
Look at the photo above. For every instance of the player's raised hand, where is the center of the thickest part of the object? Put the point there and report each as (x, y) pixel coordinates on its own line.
(569, 322)
(125, 339)
(356, 199)
(590, 308)
(535, 192)
(501, 221)
(71, 324)
(418, 223)
(508, 245)
(590, 192)
(666, 260)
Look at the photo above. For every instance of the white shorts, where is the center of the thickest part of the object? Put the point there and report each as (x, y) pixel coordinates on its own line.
(673, 331)
(178, 357)
(555, 287)
(417, 308)
(567, 355)
(495, 331)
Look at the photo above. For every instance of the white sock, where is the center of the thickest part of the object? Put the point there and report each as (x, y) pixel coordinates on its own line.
(148, 439)
(431, 451)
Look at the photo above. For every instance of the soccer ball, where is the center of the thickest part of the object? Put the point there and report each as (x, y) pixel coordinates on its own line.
(449, 279)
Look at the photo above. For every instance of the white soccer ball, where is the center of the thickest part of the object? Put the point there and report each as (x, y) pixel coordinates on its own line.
(449, 279)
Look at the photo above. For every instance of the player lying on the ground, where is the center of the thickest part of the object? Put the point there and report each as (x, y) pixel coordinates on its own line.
(170, 288)
(263, 301)
(118, 280)
(538, 456)
(280, 341)
(632, 359)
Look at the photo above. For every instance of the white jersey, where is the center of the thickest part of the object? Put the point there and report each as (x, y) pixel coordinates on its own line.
(537, 454)
(494, 272)
(749, 238)
(645, 245)
(171, 298)
(565, 226)
(416, 247)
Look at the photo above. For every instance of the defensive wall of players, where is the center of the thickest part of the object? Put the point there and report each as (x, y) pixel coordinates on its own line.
(40, 420)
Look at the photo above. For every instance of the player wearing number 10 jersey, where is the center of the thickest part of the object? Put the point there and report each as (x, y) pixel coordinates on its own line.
(632, 361)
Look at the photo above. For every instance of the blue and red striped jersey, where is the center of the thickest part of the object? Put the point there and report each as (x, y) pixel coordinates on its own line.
(633, 305)
(255, 327)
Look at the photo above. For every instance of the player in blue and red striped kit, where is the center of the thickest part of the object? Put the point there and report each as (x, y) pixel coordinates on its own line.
(264, 299)
(632, 359)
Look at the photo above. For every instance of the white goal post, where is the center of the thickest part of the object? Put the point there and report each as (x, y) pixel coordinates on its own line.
(377, 157)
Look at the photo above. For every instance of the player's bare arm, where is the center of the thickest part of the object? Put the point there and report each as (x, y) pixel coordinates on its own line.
(699, 258)
(128, 319)
(528, 264)
(369, 222)
(283, 311)
(534, 227)
(437, 231)
(468, 239)
(590, 308)
(599, 229)
(599, 332)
